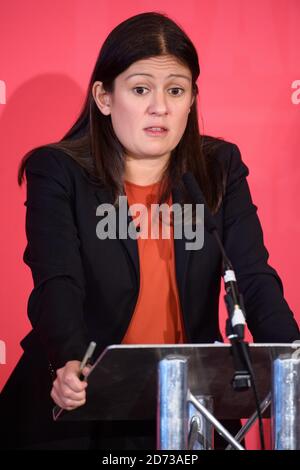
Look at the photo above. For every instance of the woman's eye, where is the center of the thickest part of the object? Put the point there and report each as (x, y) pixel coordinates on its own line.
(180, 90)
(139, 90)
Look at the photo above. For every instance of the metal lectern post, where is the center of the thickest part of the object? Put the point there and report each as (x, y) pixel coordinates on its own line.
(286, 403)
(172, 404)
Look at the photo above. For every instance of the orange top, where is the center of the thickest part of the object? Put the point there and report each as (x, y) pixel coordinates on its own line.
(157, 316)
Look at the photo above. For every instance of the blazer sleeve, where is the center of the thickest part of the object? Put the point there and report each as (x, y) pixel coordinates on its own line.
(269, 317)
(55, 306)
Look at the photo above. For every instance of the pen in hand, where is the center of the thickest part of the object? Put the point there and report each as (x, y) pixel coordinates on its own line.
(86, 359)
(57, 410)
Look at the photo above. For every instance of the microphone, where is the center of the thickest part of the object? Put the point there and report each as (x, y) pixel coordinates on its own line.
(233, 298)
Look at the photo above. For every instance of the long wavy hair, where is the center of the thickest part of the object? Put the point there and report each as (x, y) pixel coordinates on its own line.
(92, 142)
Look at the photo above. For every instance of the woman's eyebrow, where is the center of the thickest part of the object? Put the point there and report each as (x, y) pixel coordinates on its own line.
(169, 76)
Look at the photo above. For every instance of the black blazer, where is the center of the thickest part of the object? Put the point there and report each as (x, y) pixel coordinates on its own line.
(86, 288)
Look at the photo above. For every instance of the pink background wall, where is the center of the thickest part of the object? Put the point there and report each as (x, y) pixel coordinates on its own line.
(249, 94)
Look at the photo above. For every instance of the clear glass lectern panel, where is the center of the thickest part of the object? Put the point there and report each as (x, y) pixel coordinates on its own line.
(123, 380)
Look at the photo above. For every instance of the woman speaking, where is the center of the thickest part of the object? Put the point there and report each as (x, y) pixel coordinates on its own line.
(136, 136)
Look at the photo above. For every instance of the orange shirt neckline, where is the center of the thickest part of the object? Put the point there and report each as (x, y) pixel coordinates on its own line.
(141, 186)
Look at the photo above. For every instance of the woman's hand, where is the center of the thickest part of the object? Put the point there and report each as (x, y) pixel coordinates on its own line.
(68, 391)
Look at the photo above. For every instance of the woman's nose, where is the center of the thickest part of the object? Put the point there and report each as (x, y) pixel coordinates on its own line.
(158, 103)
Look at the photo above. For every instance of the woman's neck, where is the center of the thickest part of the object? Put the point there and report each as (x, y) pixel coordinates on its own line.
(145, 171)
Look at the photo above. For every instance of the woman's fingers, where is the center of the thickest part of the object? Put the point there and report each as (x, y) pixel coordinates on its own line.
(69, 377)
(68, 391)
(86, 370)
(67, 402)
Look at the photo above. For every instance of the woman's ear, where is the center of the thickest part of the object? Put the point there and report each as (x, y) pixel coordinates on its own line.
(102, 98)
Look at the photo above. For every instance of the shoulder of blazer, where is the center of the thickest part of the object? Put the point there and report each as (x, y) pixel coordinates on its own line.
(54, 164)
(218, 150)
(224, 156)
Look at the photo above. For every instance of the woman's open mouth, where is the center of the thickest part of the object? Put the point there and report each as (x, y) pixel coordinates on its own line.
(156, 131)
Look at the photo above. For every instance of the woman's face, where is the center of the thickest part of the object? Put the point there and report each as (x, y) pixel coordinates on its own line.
(154, 92)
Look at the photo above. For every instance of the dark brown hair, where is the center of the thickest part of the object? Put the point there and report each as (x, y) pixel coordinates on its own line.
(92, 142)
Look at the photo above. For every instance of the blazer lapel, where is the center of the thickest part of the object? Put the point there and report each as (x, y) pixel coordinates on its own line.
(104, 195)
(181, 253)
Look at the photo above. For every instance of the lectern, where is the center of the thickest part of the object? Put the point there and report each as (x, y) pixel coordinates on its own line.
(187, 388)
